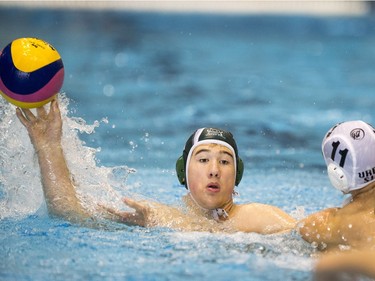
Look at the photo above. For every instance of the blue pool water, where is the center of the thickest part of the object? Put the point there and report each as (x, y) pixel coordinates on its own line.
(136, 86)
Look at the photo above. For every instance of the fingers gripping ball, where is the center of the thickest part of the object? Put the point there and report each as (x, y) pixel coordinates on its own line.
(31, 72)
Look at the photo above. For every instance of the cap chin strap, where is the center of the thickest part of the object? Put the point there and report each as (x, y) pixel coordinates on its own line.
(217, 214)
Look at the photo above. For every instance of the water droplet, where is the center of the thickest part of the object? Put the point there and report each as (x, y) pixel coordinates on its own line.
(108, 90)
(121, 59)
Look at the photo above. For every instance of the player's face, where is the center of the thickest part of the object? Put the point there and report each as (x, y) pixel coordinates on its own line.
(211, 175)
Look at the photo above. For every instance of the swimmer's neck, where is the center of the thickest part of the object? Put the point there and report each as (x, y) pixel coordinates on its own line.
(365, 191)
(198, 210)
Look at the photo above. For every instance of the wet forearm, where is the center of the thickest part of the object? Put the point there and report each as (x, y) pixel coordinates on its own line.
(45, 131)
(58, 188)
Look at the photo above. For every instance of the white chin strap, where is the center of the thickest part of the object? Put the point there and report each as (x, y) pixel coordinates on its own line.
(219, 213)
(216, 213)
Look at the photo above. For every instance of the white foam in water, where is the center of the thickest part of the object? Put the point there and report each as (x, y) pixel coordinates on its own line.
(19, 169)
(285, 251)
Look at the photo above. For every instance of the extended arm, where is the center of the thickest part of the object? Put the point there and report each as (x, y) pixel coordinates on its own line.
(153, 214)
(45, 131)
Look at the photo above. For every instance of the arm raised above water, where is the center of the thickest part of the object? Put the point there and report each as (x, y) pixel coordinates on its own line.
(45, 131)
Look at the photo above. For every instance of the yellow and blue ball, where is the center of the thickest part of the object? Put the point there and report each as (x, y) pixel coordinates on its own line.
(31, 72)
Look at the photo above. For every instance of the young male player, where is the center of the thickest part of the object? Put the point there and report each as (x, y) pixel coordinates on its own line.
(210, 166)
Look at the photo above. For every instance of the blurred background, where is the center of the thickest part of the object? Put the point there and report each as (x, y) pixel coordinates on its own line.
(240, 7)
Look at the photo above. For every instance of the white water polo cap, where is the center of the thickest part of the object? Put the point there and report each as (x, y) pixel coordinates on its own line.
(208, 136)
(349, 152)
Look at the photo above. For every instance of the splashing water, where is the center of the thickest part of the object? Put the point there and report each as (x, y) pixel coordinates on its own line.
(19, 171)
(20, 184)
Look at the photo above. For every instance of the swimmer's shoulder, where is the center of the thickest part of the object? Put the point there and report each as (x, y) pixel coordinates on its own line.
(251, 207)
(255, 208)
(248, 211)
(247, 218)
(262, 212)
(262, 218)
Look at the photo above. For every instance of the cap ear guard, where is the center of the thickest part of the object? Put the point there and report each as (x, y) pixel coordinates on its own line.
(180, 170)
(181, 175)
(240, 168)
(337, 177)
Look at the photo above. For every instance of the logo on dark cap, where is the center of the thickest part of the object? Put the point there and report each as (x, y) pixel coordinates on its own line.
(211, 132)
(357, 134)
